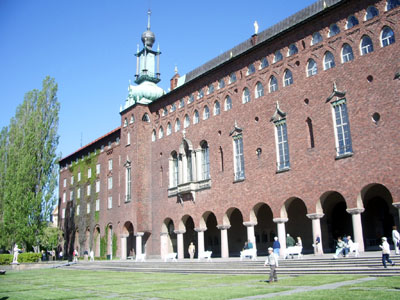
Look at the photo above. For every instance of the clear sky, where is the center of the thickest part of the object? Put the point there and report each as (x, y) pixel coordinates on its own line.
(88, 46)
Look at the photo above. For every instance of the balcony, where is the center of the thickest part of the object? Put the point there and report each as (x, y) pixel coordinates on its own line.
(190, 187)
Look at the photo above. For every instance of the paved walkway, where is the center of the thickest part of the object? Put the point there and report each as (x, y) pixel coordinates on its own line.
(329, 286)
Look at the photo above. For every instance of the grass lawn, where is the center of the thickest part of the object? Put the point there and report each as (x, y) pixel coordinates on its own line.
(77, 284)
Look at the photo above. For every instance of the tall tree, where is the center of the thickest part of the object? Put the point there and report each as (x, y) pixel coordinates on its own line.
(30, 177)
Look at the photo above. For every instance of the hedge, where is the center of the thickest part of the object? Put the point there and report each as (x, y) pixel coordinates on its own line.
(29, 257)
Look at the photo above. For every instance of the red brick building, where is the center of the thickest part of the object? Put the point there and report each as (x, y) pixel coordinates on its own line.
(296, 130)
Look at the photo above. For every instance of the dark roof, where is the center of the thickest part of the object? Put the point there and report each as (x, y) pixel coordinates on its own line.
(268, 34)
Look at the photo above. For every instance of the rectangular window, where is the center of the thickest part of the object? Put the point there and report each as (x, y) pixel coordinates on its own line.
(71, 195)
(78, 193)
(97, 186)
(88, 208)
(88, 190)
(109, 202)
(97, 205)
(342, 128)
(282, 145)
(78, 208)
(128, 139)
(65, 182)
(110, 164)
(175, 172)
(239, 157)
(97, 169)
(128, 184)
(72, 179)
(63, 213)
(110, 183)
(206, 163)
(89, 173)
(79, 176)
(64, 197)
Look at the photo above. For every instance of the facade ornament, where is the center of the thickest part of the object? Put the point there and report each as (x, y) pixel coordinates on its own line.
(315, 216)
(255, 27)
(236, 129)
(280, 220)
(335, 93)
(223, 227)
(278, 114)
(355, 211)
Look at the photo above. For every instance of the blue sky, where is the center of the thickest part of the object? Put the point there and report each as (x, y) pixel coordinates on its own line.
(88, 47)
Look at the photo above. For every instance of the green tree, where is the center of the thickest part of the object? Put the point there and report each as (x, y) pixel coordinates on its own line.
(29, 167)
(50, 238)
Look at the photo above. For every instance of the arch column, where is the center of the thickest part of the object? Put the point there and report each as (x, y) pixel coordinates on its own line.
(179, 240)
(200, 240)
(281, 233)
(124, 238)
(163, 244)
(138, 236)
(397, 205)
(357, 226)
(224, 240)
(250, 232)
(316, 228)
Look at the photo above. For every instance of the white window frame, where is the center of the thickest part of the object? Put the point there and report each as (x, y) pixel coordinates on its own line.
(88, 208)
(63, 213)
(128, 184)
(65, 182)
(206, 113)
(238, 157)
(79, 176)
(217, 108)
(88, 190)
(287, 80)
(71, 195)
(228, 103)
(98, 169)
(388, 40)
(259, 92)
(282, 145)
(312, 70)
(78, 193)
(64, 197)
(273, 87)
(110, 183)
(177, 125)
(169, 128)
(98, 205)
(97, 186)
(341, 127)
(329, 64)
(196, 117)
(349, 56)
(72, 179)
(109, 202)
(368, 48)
(89, 173)
(246, 95)
(78, 209)
(110, 164)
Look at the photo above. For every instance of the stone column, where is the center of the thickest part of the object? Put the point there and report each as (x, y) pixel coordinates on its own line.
(281, 233)
(163, 244)
(194, 166)
(124, 238)
(224, 240)
(250, 232)
(179, 240)
(138, 236)
(316, 230)
(357, 226)
(200, 240)
(397, 205)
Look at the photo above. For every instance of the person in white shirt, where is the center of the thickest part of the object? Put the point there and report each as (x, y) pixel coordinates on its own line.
(272, 261)
(385, 252)
(396, 239)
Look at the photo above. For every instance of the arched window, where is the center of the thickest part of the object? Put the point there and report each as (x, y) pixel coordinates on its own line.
(190, 99)
(200, 94)
(173, 108)
(292, 50)
(316, 38)
(206, 113)
(160, 133)
(232, 77)
(312, 68)
(181, 103)
(287, 78)
(372, 12)
(250, 69)
(186, 122)
(347, 53)
(217, 108)
(333, 30)
(278, 56)
(259, 92)
(329, 61)
(174, 174)
(146, 118)
(196, 117)
(273, 84)
(125, 122)
(164, 112)
(177, 125)
(351, 22)
(169, 128)
(210, 89)
(366, 45)
(205, 160)
(246, 95)
(132, 120)
(221, 83)
(228, 103)
(387, 36)
(392, 4)
(264, 63)
(153, 135)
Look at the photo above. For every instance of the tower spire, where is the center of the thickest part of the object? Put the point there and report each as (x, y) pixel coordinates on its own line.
(148, 19)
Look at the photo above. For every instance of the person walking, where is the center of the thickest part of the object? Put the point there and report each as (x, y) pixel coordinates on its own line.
(339, 247)
(272, 261)
(276, 246)
(396, 240)
(191, 250)
(385, 252)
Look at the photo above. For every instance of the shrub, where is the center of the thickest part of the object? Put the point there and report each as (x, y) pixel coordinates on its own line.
(6, 259)
(28, 257)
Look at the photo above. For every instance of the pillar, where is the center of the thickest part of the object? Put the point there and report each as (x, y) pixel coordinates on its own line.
(194, 166)
(179, 240)
(163, 244)
(316, 230)
(224, 240)
(138, 236)
(357, 226)
(281, 234)
(250, 232)
(200, 240)
(397, 205)
(124, 238)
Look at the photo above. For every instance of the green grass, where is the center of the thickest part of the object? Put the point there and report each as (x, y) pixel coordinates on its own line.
(76, 284)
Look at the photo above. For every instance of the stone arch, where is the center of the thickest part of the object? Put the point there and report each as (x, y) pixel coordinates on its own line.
(87, 240)
(237, 234)
(109, 240)
(336, 220)
(185, 145)
(169, 244)
(379, 215)
(186, 225)
(265, 229)
(129, 244)
(96, 241)
(212, 236)
(298, 224)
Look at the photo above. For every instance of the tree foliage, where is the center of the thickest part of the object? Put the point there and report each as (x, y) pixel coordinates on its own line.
(50, 238)
(28, 168)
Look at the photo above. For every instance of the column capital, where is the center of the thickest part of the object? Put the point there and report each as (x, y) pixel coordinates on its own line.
(124, 235)
(280, 220)
(396, 204)
(355, 211)
(139, 233)
(179, 231)
(200, 229)
(314, 216)
(223, 227)
(249, 224)
(163, 233)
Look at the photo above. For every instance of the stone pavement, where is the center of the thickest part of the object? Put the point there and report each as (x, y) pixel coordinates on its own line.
(328, 286)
